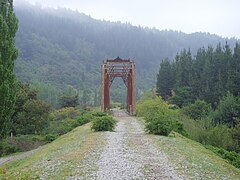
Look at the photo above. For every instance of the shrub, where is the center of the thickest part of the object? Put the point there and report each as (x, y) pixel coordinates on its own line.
(160, 127)
(158, 117)
(20, 143)
(85, 118)
(228, 111)
(6, 148)
(68, 112)
(236, 137)
(195, 129)
(104, 123)
(50, 137)
(232, 157)
(198, 110)
(61, 127)
(99, 114)
(220, 136)
(178, 126)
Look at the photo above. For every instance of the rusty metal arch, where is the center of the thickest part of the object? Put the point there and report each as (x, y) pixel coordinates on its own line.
(124, 68)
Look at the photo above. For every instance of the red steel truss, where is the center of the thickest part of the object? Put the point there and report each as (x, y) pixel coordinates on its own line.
(124, 68)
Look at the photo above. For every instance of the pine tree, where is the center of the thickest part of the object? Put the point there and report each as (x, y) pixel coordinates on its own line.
(184, 69)
(165, 79)
(235, 71)
(8, 54)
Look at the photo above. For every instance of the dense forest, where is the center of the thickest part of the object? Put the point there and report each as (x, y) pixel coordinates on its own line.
(207, 76)
(61, 49)
(205, 91)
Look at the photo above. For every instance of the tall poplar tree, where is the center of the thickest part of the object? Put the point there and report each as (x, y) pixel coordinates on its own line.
(8, 55)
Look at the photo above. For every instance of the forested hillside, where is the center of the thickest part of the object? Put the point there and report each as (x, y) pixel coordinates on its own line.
(205, 91)
(59, 48)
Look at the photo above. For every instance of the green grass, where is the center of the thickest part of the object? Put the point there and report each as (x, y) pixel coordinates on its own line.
(191, 159)
(57, 159)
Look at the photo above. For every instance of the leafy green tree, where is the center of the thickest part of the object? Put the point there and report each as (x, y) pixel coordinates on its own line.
(31, 115)
(198, 110)
(228, 111)
(69, 101)
(33, 119)
(8, 54)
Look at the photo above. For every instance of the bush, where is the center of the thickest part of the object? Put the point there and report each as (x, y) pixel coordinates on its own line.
(85, 118)
(220, 136)
(50, 137)
(99, 114)
(228, 111)
(195, 129)
(6, 148)
(20, 143)
(205, 132)
(64, 113)
(105, 123)
(158, 117)
(236, 137)
(232, 157)
(198, 110)
(160, 127)
(61, 127)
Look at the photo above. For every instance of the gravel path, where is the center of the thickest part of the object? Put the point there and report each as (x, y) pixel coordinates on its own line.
(9, 159)
(130, 154)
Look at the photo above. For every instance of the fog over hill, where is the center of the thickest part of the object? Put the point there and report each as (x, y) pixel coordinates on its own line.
(64, 48)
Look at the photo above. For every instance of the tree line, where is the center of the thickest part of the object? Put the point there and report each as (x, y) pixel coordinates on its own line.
(208, 76)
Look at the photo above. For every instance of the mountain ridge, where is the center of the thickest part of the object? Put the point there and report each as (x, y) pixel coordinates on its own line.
(63, 47)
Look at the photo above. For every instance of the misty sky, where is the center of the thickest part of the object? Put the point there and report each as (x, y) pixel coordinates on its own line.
(215, 16)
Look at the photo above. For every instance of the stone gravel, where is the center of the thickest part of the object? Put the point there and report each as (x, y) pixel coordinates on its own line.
(130, 154)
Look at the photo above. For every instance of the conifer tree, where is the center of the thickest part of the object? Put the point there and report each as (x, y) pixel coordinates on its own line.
(235, 71)
(8, 55)
(165, 79)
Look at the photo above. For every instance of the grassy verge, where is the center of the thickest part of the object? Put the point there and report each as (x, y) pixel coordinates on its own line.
(57, 159)
(191, 159)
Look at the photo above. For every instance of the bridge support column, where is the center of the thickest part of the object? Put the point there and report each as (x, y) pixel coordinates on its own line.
(105, 102)
(131, 92)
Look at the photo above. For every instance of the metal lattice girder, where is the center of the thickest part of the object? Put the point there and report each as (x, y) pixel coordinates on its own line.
(124, 68)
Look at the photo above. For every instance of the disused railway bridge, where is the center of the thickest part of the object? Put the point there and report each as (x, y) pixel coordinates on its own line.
(124, 68)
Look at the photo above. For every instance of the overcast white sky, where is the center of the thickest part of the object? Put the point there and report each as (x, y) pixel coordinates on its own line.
(220, 17)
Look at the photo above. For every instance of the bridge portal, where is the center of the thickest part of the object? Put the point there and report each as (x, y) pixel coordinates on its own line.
(124, 68)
